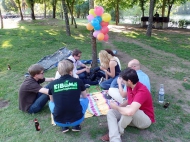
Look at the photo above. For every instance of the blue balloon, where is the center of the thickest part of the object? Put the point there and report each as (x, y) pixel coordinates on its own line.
(99, 18)
(97, 27)
(95, 22)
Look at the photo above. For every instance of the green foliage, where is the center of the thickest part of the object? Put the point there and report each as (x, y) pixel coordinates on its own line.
(9, 5)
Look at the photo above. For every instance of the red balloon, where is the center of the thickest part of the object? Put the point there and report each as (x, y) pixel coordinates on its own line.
(104, 30)
(103, 24)
(106, 37)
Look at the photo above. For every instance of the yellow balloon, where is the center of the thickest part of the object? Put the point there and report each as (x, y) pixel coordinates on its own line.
(91, 11)
(106, 17)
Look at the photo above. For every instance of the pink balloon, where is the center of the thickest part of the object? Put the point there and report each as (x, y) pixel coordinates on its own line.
(98, 10)
(103, 24)
(95, 33)
(90, 17)
(106, 37)
(104, 30)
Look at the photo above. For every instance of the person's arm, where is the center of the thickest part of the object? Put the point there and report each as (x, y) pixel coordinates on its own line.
(112, 65)
(120, 87)
(129, 110)
(124, 104)
(44, 91)
(84, 94)
(51, 98)
(49, 79)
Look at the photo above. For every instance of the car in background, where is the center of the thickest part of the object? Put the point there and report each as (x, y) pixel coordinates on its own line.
(9, 15)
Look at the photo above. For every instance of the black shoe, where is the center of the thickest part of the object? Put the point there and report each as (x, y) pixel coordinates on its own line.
(76, 128)
(87, 86)
(65, 129)
(101, 80)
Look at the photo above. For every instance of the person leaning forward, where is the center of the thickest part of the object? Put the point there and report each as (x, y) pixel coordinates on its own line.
(32, 96)
(136, 111)
(68, 98)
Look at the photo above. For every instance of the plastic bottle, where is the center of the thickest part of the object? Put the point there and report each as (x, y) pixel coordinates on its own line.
(161, 93)
(37, 125)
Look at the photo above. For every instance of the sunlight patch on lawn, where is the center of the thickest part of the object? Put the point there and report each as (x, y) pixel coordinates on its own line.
(6, 44)
(51, 32)
(80, 36)
(132, 34)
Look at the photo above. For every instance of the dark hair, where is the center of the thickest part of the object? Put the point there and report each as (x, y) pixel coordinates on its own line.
(35, 69)
(110, 52)
(76, 52)
(129, 74)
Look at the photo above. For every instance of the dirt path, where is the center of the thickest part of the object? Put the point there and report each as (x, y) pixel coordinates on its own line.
(172, 86)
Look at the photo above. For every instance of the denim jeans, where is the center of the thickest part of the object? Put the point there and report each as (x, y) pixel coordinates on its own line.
(82, 75)
(39, 103)
(84, 103)
(110, 83)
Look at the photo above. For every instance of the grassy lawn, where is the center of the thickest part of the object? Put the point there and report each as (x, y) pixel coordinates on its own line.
(26, 45)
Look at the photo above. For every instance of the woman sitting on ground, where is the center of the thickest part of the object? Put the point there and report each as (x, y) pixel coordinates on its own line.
(111, 68)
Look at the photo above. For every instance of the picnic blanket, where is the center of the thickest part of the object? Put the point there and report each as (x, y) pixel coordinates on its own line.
(98, 105)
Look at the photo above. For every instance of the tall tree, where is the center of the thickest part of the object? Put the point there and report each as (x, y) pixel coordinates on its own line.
(93, 41)
(1, 19)
(70, 5)
(66, 18)
(19, 7)
(31, 4)
(150, 19)
(53, 3)
(45, 8)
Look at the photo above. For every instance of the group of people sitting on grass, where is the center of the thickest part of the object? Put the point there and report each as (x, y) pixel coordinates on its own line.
(68, 100)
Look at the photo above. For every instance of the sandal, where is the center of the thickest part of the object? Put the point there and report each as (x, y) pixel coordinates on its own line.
(105, 138)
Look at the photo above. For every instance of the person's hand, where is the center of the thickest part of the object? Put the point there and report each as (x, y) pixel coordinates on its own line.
(88, 70)
(119, 80)
(113, 104)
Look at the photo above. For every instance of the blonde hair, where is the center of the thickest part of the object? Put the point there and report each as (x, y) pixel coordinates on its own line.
(105, 58)
(65, 67)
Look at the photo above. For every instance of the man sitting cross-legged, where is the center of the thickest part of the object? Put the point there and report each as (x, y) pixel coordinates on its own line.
(136, 111)
(65, 104)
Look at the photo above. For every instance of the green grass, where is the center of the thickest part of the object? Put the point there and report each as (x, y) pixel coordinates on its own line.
(26, 45)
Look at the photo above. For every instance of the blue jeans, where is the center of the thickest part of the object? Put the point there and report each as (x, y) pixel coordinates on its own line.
(82, 75)
(39, 103)
(110, 83)
(83, 102)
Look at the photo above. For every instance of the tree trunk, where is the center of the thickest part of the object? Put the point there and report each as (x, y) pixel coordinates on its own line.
(163, 8)
(150, 19)
(1, 20)
(54, 10)
(19, 7)
(93, 40)
(32, 12)
(71, 12)
(45, 8)
(117, 13)
(66, 18)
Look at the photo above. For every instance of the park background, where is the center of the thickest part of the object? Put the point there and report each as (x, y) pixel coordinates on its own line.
(164, 57)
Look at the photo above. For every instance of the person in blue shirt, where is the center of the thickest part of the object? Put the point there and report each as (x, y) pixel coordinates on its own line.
(119, 93)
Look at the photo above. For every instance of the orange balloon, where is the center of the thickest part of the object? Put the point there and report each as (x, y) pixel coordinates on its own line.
(100, 36)
(89, 27)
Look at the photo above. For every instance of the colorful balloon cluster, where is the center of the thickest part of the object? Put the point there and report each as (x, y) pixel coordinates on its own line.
(99, 21)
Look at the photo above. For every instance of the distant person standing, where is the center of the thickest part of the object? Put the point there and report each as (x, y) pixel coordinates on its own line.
(156, 14)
